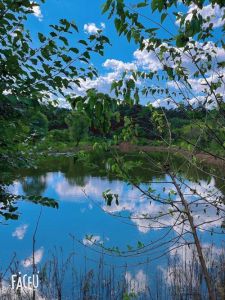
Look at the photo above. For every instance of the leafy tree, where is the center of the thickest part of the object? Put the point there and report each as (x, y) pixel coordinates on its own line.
(78, 124)
(39, 125)
(56, 116)
(99, 107)
(191, 42)
(32, 74)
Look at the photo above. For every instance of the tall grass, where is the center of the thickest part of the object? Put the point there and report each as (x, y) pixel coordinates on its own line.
(180, 278)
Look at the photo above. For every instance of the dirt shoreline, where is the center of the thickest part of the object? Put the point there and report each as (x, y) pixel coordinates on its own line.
(128, 148)
(201, 156)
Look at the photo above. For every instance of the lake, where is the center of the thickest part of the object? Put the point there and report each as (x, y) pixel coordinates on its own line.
(89, 250)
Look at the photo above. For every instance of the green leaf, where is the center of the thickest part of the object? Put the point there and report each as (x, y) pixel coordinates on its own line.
(106, 6)
(163, 17)
(53, 34)
(169, 71)
(66, 58)
(140, 245)
(142, 4)
(83, 42)
(75, 50)
(74, 26)
(157, 5)
(87, 55)
(41, 37)
(181, 40)
(117, 24)
(65, 41)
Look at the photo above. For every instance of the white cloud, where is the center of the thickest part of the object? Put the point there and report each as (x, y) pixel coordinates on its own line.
(209, 191)
(208, 103)
(102, 25)
(141, 210)
(119, 66)
(20, 232)
(143, 214)
(101, 83)
(166, 103)
(93, 187)
(186, 258)
(26, 292)
(15, 188)
(91, 240)
(147, 60)
(131, 200)
(91, 28)
(37, 11)
(38, 255)
(214, 12)
(137, 283)
(202, 94)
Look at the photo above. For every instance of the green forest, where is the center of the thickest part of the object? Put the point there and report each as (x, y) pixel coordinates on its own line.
(50, 128)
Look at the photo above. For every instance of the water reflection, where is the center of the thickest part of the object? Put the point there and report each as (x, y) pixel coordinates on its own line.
(34, 185)
(36, 256)
(184, 275)
(84, 215)
(79, 184)
(137, 283)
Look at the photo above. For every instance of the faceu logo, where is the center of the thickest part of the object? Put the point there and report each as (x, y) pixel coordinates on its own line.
(19, 281)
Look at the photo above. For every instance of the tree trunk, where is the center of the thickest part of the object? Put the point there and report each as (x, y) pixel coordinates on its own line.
(77, 143)
(196, 240)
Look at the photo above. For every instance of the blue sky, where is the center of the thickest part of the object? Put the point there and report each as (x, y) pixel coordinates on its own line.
(121, 55)
(83, 12)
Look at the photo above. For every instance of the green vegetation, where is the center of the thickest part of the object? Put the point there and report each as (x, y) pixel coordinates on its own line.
(38, 125)
(33, 74)
(78, 124)
(32, 79)
(136, 124)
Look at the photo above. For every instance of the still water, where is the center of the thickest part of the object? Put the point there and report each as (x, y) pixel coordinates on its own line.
(117, 246)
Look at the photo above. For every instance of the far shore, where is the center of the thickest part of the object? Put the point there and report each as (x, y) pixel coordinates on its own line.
(201, 156)
(126, 147)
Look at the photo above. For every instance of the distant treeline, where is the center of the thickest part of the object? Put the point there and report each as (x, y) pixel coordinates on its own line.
(185, 125)
(140, 115)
